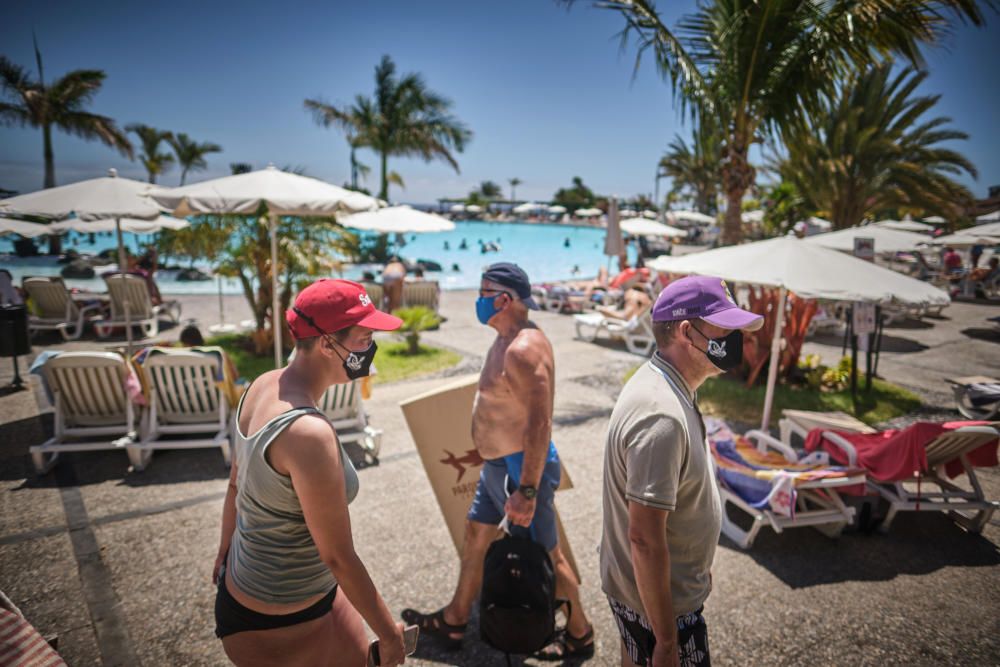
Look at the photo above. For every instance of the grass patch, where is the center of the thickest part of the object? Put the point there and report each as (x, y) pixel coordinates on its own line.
(392, 362)
(732, 400)
(239, 347)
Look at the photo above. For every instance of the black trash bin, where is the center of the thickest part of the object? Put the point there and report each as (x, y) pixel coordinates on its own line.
(14, 338)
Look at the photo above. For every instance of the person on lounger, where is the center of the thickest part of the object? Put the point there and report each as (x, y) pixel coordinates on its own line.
(512, 431)
(662, 516)
(636, 301)
(292, 590)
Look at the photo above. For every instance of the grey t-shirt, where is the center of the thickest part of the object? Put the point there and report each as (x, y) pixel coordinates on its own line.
(656, 455)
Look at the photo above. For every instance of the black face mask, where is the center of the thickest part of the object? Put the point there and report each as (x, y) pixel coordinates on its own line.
(358, 364)
(725, 353)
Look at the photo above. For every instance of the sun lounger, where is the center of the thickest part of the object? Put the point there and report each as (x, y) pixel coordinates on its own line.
(767, 480)
(375, 292)
(53, 308)
(90, 401)
(800, 422)
(342, 405)
(636, 332)
(977, 396)
(900, 465)
(185, 399)
(134, 291)
(421, 293)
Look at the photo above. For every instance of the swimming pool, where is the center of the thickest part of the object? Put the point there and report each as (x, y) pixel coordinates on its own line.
(545, 251)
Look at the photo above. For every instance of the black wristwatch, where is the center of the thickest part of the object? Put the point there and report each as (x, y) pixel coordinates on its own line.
(528, 491)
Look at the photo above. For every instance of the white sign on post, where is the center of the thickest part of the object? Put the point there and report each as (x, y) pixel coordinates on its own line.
(864, 248)
(863, 323)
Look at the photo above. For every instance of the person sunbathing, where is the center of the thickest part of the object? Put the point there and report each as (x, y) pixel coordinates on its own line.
(636, 301)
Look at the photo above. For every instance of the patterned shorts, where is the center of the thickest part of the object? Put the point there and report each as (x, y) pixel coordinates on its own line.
(692, 636)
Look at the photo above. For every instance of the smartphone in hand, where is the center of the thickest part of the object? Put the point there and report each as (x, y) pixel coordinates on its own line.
(410, 634)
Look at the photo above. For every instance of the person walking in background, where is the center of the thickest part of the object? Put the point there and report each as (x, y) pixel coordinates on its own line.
(512, 431)
(291, 588)
(662, 514)
(392, 283)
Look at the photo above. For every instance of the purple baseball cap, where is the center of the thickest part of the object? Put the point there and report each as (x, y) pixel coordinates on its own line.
(707, 298)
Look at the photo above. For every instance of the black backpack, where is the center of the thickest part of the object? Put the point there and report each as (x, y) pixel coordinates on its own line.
(517, 606)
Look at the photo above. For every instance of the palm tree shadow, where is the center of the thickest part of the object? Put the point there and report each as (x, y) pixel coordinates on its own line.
(918, 543)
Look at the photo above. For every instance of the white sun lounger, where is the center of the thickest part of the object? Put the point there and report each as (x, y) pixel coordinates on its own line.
(56, 309)
(971, 509)
(184, 400)
(977, 396)
(342, 405)
(144, 314)
(818, 504)
(636, 332)
(92, 410)
(421, 293)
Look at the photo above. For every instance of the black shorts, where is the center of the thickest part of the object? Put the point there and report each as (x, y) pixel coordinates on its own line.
(692, 636)
(232, 617)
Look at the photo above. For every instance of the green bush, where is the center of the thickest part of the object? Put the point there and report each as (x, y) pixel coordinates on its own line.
(415, 320)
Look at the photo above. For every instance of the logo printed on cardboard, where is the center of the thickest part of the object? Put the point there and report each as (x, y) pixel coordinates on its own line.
(471, 459)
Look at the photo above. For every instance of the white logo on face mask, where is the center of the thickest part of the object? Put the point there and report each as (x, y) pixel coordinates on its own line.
(353, 362)
(365, 299)
(717, 349)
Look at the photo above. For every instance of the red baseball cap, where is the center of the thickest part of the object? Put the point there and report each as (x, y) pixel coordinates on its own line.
(330, 305)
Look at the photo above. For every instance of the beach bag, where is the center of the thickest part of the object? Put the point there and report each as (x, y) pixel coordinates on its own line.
(517, 605)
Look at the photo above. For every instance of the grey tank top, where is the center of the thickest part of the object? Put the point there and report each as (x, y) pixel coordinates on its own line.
(272, 556)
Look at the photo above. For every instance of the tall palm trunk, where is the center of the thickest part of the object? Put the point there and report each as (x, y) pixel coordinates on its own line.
(737, 177)
(354, 169)
(383, 193)
(55, 241)
(184, 173)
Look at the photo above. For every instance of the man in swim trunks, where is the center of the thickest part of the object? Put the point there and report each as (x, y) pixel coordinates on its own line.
(512, 430)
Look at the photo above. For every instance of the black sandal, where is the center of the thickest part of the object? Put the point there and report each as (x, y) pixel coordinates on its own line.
(567, 647)
(435, 626)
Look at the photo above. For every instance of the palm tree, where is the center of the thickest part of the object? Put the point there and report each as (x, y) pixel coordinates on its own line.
(514, 182)
(152, 159)
(490, 190)
(695, 169)
(349, 120)
(755, 65)
(869, 147)
(62, 105)
(403, 118)
(190, 154)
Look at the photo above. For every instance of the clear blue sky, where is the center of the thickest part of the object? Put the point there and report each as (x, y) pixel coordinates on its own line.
(546, 91)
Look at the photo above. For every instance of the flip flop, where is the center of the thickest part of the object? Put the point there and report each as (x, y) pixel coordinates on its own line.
(434, 625)
(565, 646)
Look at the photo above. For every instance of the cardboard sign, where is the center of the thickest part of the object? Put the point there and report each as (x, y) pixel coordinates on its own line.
(440, 422)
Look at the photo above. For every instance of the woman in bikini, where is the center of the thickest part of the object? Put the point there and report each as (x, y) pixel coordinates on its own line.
(291, 588)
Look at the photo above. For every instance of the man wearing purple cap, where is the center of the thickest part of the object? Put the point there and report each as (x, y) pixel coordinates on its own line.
(661, 507)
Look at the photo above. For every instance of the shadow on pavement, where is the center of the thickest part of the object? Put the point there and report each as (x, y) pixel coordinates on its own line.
(918, 543)
(988, 335)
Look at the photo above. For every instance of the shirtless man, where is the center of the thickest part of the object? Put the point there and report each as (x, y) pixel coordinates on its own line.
(512, 430)
(392, 283)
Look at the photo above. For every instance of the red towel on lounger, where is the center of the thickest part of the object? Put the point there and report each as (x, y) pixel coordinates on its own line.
(895, 455)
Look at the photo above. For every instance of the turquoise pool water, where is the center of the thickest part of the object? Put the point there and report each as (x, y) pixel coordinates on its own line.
(541, 250)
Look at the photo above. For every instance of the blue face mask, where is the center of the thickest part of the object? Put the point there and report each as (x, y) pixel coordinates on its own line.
(486, 308)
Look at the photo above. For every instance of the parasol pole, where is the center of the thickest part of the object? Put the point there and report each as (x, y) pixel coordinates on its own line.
(275, 298)
(122, 267)
(775, 361)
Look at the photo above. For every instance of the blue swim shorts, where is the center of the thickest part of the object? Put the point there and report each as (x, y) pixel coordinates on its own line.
(488, 503)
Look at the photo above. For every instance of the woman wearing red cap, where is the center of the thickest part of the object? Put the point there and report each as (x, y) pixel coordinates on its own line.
(291, 588)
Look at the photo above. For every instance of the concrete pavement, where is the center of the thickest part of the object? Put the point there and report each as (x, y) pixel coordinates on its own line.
(118, 563)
